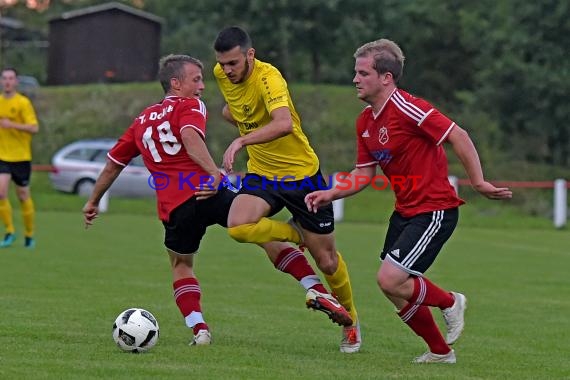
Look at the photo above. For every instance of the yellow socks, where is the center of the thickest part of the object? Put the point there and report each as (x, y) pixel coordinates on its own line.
(6, 215)
(340, 286)
(264, 231)
(28, 215)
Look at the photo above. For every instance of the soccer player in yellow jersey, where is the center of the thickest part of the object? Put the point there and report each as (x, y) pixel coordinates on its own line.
(282, 168)
(18, 123)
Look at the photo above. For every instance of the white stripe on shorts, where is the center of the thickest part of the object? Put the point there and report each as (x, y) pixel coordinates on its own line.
(420, 247)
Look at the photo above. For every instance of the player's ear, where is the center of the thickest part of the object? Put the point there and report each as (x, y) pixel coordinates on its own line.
(388, 77)
(250, 55)
(175, 83)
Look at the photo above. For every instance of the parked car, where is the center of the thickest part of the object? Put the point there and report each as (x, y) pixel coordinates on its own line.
(28, 86)
(77, 165)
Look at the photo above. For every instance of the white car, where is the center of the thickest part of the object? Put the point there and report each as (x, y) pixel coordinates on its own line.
(77, 165)
(28, 86)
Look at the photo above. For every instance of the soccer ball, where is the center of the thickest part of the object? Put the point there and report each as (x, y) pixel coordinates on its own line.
(135, 330)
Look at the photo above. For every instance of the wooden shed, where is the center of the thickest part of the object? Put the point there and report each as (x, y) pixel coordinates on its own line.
(110, 42)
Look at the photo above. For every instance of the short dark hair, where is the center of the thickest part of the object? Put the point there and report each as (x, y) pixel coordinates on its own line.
(231, 37)
(172, 65)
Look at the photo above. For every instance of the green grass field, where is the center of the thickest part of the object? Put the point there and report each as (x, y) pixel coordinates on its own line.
(58, 302)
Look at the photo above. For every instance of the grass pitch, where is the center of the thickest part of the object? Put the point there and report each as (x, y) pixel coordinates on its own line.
(59, 301)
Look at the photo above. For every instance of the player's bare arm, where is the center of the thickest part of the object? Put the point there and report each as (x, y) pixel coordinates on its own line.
(281, 125)
(349, 185)
(108, 175)
(467, 154)
(30, 128)
(198, 152)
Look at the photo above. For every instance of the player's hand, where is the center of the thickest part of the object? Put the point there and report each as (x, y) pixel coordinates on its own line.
(208, 190)
(90, 213)
(205, 194)
(317, 199)
(5, 123)
(490, 191)
(230, 154)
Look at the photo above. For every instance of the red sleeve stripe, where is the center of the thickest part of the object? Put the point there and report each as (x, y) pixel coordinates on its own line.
(195, 128)
(413, 111)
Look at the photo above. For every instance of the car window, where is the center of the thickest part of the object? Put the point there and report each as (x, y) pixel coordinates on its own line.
(82, 154)
(137, 161)
(100, 156)
(28, 85)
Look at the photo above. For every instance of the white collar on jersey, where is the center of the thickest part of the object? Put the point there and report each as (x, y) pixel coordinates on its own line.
(375, 115)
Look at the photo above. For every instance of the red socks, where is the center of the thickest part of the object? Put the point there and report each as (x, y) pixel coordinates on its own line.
(293, 262)
(417, 315)
(421, 321)
(187, 294)
(428, 294)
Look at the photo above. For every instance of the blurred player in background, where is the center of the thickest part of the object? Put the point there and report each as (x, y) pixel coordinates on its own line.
(18, 122)
(170, 136)
(404, 135)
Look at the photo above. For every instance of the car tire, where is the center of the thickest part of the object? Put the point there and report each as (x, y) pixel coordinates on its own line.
(84, 187)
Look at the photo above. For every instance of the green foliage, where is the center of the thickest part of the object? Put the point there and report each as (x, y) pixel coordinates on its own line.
(501, 63)
(70, 113)
(328, 115)
(523, 76)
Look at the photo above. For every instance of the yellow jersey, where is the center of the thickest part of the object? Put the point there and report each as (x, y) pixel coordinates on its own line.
(251, 104)
(16, 145)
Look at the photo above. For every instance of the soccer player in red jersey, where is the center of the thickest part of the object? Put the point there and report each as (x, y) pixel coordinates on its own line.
(170, 136)
(403, 135)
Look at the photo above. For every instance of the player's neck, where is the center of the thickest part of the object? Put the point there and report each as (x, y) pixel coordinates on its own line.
(383, 97)
(250, 70)
(9, 94)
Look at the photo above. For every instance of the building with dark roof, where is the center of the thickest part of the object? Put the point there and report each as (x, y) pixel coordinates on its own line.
(110, 42)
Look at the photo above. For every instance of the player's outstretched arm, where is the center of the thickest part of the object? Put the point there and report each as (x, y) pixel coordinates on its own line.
(347, 185)
(280, 125)
(467, 154)
(106, 178)
(30, 128)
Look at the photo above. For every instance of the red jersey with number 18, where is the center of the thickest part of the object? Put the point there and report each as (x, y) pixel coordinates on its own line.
(155, 134)
(405, 139)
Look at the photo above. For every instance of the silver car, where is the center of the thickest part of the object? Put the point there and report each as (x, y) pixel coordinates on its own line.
(77, 165)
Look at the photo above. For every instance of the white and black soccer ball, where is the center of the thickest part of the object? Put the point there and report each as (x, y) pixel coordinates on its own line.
(135, 330)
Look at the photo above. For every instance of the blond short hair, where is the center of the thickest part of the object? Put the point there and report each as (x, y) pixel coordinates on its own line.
(388, 57)
(172, 66)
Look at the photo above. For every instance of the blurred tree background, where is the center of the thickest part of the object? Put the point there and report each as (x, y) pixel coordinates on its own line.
(500, 68)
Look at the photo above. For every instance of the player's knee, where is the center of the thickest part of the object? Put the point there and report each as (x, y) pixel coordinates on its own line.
(326, 262)
(381, 282)
(327, 267)
(386, 284)
(242, 233)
